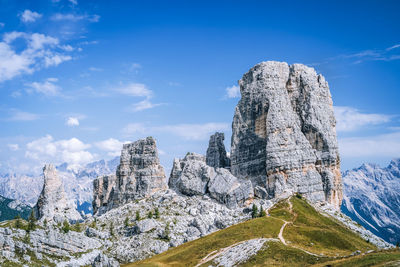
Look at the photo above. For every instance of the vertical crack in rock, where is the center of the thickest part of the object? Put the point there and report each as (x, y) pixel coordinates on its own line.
(283, 133)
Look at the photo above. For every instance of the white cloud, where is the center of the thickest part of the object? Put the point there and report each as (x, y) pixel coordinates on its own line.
(95, 69)
(46, 149)
(233, 91)
(74, 17)
(13, 147)
(186, 131)
(143, 105)
(72, 121)
(18, 115)
(40, 51)
(385, 145)
(74, 2)
(30, 16)
(135, 89)
(393, 47)
(350, 119)
(111, 145)
(47, 88)
(2, 24)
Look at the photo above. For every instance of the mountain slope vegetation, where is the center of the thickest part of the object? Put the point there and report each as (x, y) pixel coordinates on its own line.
(294, 234)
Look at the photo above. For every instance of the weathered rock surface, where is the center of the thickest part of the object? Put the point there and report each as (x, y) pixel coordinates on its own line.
(216, 154)
(139, 175)
(192, 176)
(103, 191)
(53, 204)
(283, 133)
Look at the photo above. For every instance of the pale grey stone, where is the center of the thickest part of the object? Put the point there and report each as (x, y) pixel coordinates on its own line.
(283, 132)
(53, 204)
(216, 154)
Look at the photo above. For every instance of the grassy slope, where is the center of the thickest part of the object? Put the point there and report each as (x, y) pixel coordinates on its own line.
(309, 230)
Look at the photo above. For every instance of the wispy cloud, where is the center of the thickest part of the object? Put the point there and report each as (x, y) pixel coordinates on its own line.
(135, 89)
(40, 51)
(143, 105)
(18, 115)
(72, 121)
(233, 91)
(29, 16)
(48, 87)
(350, 119)
(74, 17)
(384, 145)
(393, 47)
(13, 147)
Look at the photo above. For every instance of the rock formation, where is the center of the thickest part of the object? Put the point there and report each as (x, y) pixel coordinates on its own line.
(192, 176)
(139, 175)
(103, 191)
(283, 133)
(53, 205)
(216, 154)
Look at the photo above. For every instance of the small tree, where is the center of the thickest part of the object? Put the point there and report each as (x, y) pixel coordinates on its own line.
(137, 216)
(150, 215)
(77, 227)
(66, 227)
(31, 222)
(126, 222)
(254, 211)
(262, 212)
(45, 223)
(156, 213)
(18, 222)
(166, 232)
(112, 229)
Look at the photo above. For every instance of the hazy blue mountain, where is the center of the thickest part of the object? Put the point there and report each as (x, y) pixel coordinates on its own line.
(372, 198)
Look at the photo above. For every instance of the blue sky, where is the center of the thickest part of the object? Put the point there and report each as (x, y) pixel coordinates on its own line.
(79, 78)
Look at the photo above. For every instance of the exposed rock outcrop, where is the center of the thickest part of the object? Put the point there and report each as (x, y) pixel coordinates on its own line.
(53, 204)
(283, 133)
(192, 176)
(139, 175)
(216, 154)
(103, 191)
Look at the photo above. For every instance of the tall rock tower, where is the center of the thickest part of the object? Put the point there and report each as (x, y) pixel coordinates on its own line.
(138, 175)
(53, 204)
(283, 133)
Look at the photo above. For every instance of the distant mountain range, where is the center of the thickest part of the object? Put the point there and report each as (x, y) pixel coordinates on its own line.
(10, 208)
(371, 193)
(372, 198)
(78, 183)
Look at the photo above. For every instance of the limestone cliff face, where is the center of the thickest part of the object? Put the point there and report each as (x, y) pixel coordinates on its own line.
(103, 192)
(53, 205)
(139, 175)
(283, 133)
(216, 154)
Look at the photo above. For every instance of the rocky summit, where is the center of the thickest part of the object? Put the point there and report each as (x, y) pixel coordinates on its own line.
(283, 133)
(139, 175)
(53, 204)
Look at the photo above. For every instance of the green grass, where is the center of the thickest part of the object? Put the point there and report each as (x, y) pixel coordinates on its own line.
(310, 231)
(381, 258)
(191, 253)
(320, 234)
